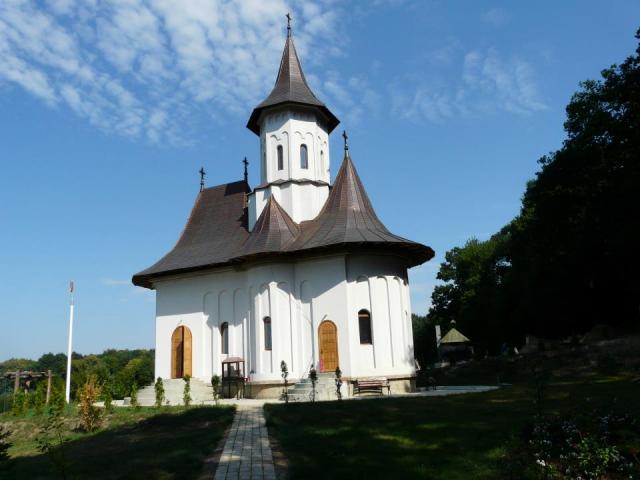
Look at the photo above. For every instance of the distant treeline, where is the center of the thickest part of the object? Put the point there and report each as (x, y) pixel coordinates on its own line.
(117, 370)
(570, 259)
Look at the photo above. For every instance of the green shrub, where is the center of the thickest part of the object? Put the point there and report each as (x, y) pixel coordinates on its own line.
(90, 415)
(186, 395)
(108, 400)
(19, 404)
(215, 383)
(159, 388)
(134, 396)
(4, 444)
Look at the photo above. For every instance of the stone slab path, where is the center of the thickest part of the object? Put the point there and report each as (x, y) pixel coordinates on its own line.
(246, 454)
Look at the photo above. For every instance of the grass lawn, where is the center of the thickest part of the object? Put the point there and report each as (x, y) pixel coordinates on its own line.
(144, 443)
(456, 437)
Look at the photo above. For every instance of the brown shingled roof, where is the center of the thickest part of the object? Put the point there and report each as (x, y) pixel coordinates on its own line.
(291, 87)
(216, 233)
(273, 232)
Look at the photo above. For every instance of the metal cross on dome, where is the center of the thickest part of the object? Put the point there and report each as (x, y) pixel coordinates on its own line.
(202, 174)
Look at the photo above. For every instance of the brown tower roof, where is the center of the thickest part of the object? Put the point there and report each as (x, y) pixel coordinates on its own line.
(291, 87)
(348, 218)
(273, 231)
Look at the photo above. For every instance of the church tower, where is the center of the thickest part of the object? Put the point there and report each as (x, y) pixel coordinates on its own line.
(294, 127)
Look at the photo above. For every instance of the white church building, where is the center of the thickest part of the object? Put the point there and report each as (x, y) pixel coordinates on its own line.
(293, 269)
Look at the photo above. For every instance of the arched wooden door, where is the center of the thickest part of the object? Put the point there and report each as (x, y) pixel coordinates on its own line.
(328, 339)
(181, 352)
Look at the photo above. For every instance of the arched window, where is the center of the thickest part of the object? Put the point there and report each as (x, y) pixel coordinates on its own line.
(267, 333)
(322, 161)
(280, 157)
(364, 320)
(224, 338)
(304, 159)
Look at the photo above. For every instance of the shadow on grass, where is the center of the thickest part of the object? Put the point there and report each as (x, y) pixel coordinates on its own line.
(456, 437)
(164, 446)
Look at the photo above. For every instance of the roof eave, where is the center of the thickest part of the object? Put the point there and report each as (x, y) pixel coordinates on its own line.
(254, 120)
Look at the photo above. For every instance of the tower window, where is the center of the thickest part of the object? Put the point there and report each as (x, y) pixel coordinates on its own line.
(267, 333)
(280, 158)
(364, 320)
(304, 159)
(224, 338)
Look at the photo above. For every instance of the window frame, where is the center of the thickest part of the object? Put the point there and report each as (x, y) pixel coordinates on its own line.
(304, 165)
(224, 338)
(365, 315)
(280, 157)
(267, 333)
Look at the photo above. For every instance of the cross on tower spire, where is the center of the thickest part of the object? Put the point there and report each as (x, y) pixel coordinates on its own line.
(246, 173)
(202, 174)
(289, 18)
(346, 138)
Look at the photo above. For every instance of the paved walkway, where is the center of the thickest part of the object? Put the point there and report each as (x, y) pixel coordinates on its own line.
(246, 454)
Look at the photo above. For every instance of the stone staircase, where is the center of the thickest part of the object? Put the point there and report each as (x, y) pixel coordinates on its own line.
(325, 389)
(201, 392)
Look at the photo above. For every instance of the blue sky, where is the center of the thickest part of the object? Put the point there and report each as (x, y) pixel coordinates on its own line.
(108, 110)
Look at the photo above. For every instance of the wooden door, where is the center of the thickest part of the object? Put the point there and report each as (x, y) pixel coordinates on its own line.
(181, 352)
(328, 340)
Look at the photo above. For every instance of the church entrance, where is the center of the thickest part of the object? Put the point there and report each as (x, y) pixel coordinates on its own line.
(180, 352)
(328, 339)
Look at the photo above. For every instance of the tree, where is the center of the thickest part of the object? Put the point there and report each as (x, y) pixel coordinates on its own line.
(569, 260)
(573, 246)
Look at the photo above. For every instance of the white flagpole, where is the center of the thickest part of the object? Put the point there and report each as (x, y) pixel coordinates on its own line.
(68, 389)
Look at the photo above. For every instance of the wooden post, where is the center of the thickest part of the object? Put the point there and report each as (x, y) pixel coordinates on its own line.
(48, 387)
(16, 383)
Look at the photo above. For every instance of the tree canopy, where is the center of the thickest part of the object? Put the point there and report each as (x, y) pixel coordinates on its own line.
(570, 259)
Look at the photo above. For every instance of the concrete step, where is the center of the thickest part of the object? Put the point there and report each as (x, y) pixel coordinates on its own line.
(174, 390)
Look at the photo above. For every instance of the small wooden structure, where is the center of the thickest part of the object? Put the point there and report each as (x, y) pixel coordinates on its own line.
(454, 346)
(26, 377)
(233, 377)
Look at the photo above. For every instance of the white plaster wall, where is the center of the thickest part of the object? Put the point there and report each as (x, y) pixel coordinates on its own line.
(291, 128)
(301, 201)
(297, 296)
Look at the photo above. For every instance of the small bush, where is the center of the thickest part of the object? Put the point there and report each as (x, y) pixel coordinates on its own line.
(108, 400)
(186, 395)
(19, 404)
(4, 444)
(590, 445)
(51, 441)
(159, 388)
(134, 396)
(215, 383)
(90, 415)
(40, 397)
(285, 374)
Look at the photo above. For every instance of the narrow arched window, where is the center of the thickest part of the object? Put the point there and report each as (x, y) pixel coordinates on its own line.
(321, 161)
(224, 338)
(267, 333)
(304, 158)
(364, 320)
(280, 157)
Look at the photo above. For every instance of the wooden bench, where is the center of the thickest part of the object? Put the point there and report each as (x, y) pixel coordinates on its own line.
(371, 384)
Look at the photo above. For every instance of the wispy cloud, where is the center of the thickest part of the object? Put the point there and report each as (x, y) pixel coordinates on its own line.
(497, 17)
(487, 83)
(140, 68)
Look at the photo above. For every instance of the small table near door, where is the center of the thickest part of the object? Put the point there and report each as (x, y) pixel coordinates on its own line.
(233, 377)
